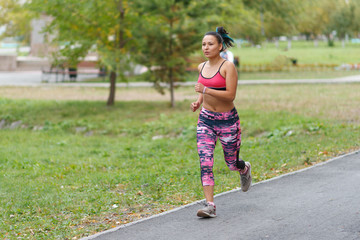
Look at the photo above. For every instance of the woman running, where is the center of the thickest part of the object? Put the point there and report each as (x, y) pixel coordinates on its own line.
(218, 117)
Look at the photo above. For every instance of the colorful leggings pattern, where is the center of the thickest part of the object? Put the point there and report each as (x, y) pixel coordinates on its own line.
(226, 127)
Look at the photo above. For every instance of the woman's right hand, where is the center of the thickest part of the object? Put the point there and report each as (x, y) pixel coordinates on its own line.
(194, 106)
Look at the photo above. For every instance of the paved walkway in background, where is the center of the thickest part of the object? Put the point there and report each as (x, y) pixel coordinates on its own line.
(33, 78)
(30, 78)
(321, 202)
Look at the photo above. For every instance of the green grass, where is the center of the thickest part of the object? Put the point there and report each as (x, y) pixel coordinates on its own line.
(139, 158)
(304, 52)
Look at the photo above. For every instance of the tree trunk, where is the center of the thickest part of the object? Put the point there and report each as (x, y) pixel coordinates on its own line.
(330, 40)
(172, 98)
(111, 99)
(316, 42)
(172, 89)
(289, 43)
(119, 43)
(262, 19)
(262, 24)
(276, 42)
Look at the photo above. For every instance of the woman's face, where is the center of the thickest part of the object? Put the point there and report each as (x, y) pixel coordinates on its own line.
(210, 46)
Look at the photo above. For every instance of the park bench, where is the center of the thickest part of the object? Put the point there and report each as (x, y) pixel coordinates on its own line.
(61, 74)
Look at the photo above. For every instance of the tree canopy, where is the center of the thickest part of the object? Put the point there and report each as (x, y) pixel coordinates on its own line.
(16, 20)
(101, 26)
(162, 34)
(170, 31)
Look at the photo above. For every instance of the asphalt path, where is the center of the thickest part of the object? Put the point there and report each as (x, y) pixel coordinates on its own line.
(33, 78)
(320, 202)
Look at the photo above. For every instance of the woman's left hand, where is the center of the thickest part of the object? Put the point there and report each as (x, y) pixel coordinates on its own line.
(199, 87)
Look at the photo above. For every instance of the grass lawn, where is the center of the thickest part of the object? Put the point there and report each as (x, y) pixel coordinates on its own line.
(303, 51)
(76, 167)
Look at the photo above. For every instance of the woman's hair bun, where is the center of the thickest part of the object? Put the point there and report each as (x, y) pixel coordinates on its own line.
(221, 30)
(227, 40)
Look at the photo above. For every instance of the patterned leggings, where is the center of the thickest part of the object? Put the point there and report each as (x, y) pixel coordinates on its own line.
(226, 126)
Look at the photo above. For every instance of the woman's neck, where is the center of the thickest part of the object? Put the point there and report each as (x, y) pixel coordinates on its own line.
(215, 60)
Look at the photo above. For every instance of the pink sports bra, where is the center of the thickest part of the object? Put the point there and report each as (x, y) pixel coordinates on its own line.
(216, 82)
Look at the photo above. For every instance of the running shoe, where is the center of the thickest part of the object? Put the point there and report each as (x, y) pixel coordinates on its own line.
(246, 178)
(209, 211)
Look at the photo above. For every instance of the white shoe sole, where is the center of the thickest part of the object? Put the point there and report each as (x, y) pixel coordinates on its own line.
(205, 215)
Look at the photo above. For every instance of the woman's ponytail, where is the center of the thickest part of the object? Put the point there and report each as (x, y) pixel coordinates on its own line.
(222, 37)
(227, 40)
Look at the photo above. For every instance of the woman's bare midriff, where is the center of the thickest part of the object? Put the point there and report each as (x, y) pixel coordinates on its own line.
(215, 105)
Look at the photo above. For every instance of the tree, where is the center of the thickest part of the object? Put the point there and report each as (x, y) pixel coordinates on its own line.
(356, 26)
(278, 17)
(342, 21)
(170, 31)
(240, 21)
(315, 17)
(81, 25)
(16, 20)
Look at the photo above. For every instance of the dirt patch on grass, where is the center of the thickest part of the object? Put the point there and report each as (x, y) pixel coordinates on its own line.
(91, 94)
(328, 101)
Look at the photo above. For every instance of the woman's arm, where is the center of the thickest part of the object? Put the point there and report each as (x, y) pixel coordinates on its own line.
(231, 77)
(195, 105)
